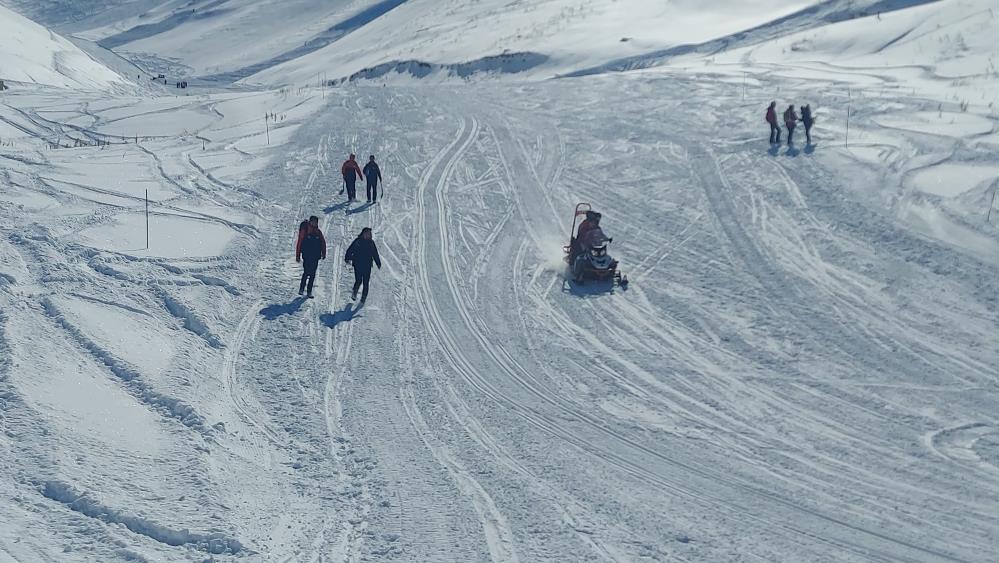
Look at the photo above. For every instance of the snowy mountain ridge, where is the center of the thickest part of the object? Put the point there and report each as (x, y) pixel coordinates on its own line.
(220, 40)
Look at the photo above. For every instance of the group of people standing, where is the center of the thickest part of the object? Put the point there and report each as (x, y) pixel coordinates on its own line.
(351, 171)
(362, 253)
(790, 120)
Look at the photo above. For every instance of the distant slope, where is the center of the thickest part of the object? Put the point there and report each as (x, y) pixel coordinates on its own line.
(275, 42)
(278, 42)
(569, 34)
(30, 53)
(812, 17)
(947, 39)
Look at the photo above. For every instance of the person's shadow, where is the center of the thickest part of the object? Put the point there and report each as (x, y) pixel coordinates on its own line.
(360, 208)
(272, 312)
(336, 207)
(809, 148)
(774, 149)
(792, 151)
(348, 313)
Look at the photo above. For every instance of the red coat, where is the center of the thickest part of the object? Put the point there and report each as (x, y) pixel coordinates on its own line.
(772, 116)
(584, 227)
(351, 165)
(301, 236)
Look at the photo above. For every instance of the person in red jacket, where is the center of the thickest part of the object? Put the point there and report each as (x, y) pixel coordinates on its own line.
(304, 229)
(772, 120)
(351, 171)
(310, 250)
(591, 222)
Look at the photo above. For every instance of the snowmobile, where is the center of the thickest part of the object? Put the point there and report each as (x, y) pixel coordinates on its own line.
(593, 263)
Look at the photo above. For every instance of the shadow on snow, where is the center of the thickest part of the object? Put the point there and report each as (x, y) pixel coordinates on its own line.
(336, 207)
(272, 312)
(348, 313)
(360, 208)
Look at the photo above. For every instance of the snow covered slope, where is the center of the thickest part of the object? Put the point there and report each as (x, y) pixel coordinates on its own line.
(803, 367)
(570, 34)
(32, 54)
(289, 42)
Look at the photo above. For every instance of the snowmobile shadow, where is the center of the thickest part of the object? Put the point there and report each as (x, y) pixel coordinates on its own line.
(272, 312)
(364, 207)
(591, 287)
(348, 313)
(336, 207)
(809, 148)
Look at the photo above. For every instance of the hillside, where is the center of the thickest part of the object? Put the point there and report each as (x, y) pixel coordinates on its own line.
(32, 54)
(801, 368)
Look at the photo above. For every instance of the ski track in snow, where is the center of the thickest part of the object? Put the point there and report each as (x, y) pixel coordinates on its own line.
(792, 375)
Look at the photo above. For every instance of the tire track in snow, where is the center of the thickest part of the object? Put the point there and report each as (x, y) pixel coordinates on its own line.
(247, 326)
(499, 536)
(808, 520)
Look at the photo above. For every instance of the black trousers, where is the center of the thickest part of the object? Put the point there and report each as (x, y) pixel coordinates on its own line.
(362, 276)
(372, 191)
(309, 274)
(351, 189)
(790, 134)
(774, 133)
(808, 133)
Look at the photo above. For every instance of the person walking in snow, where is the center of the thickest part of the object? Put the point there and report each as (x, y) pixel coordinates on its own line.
(772, 120)
(350, 171)
(361, 254)
(374, 175)
(807, 120)
(311, 248)
(790, 119)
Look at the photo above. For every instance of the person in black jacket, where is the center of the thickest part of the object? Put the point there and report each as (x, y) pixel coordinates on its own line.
(311, 249)
(361, 254)
(374, 175)
(807, 120)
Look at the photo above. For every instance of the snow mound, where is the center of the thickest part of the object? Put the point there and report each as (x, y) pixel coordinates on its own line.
(32, 54)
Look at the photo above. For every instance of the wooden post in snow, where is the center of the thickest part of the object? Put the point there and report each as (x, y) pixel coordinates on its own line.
(147, 219)
(267, 127)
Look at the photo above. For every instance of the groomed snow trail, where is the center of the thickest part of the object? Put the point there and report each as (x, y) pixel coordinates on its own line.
(793, 375)
(760, 392)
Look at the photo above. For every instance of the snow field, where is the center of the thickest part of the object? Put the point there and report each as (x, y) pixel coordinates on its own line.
(801, 370)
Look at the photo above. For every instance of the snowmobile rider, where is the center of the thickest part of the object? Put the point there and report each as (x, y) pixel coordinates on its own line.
(361, 254)
(591, 221)
(592, 235)
(350, 171)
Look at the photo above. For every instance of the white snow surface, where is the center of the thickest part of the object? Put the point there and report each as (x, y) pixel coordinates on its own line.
(803, 367)
(31, 54)
(307, 39)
